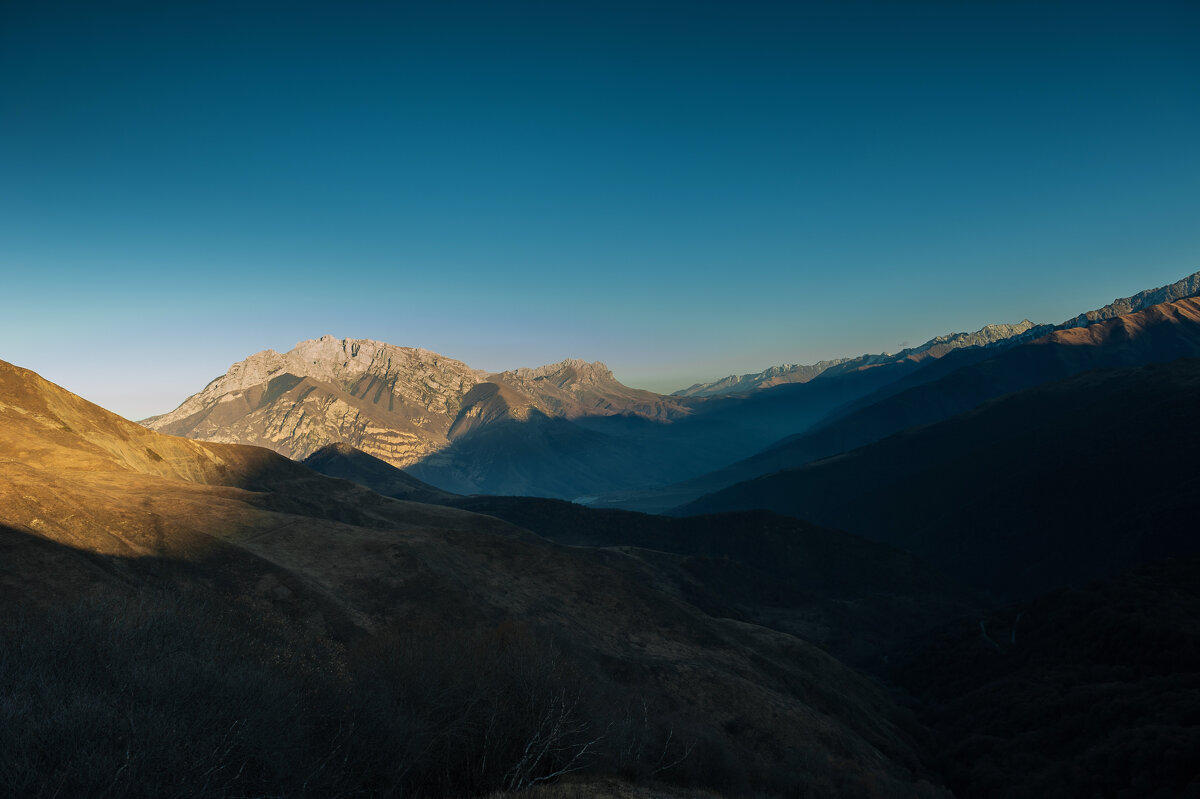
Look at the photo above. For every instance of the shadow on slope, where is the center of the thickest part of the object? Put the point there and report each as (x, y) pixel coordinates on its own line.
(347, 463)
(1158, 334)
(1035, 490)
(765, 711)
(503, 446)
(169, 687)
(564, 458)
(1092, 691)
(851, 596)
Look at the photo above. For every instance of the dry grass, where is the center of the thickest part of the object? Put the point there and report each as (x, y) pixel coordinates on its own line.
(609, 789)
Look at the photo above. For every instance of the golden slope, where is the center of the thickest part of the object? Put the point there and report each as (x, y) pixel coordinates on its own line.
(347, 562)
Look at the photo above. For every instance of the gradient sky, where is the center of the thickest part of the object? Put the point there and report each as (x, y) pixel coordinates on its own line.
(683, 190)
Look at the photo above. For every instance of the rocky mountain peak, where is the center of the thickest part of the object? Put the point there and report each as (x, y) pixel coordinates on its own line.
(771, 376)
(1179, 290)
(413, 375)
(400, 404)
(336, 359)
(988, 334)
(570, 371)
(802, 373)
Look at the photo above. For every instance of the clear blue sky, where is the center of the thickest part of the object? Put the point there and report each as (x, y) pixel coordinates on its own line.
(683, 190)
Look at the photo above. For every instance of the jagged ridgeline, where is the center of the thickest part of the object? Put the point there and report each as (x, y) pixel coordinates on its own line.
(570, 430)
(397, 403)
(562, 430)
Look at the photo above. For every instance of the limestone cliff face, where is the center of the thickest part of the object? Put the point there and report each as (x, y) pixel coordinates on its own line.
(396, 403)
(416, 377)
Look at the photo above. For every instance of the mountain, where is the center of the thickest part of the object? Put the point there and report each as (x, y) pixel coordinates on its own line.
(563, 430)
(1157, 334)
(400, 404)
(346, 462)
(571, 430)
(1182, 289)
(941, 345)
(953, 384)
(293, 633)
(1179, 290)
(1037, 489)
(796, 373)
(395, 402)
(575, 388)
(771, 376)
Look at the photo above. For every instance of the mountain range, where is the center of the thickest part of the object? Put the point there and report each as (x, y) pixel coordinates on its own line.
(940, 345)
(927, 391)
(93, 506)
(964, 569)
(570, 430)
(1027, 492)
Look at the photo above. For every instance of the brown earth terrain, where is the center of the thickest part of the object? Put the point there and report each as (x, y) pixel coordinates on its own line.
(92, 505)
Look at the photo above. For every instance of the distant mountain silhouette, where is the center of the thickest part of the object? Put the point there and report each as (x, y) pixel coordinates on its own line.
(1030, 491)
(571, 430)
(797, 373)
(940, 346)
(951, 385)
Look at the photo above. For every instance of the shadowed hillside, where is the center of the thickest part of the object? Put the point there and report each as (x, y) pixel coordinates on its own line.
(1093, 691)
(411, 603)
(955, 384)
(348, 463)
(1040, 488)
(851, 596)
